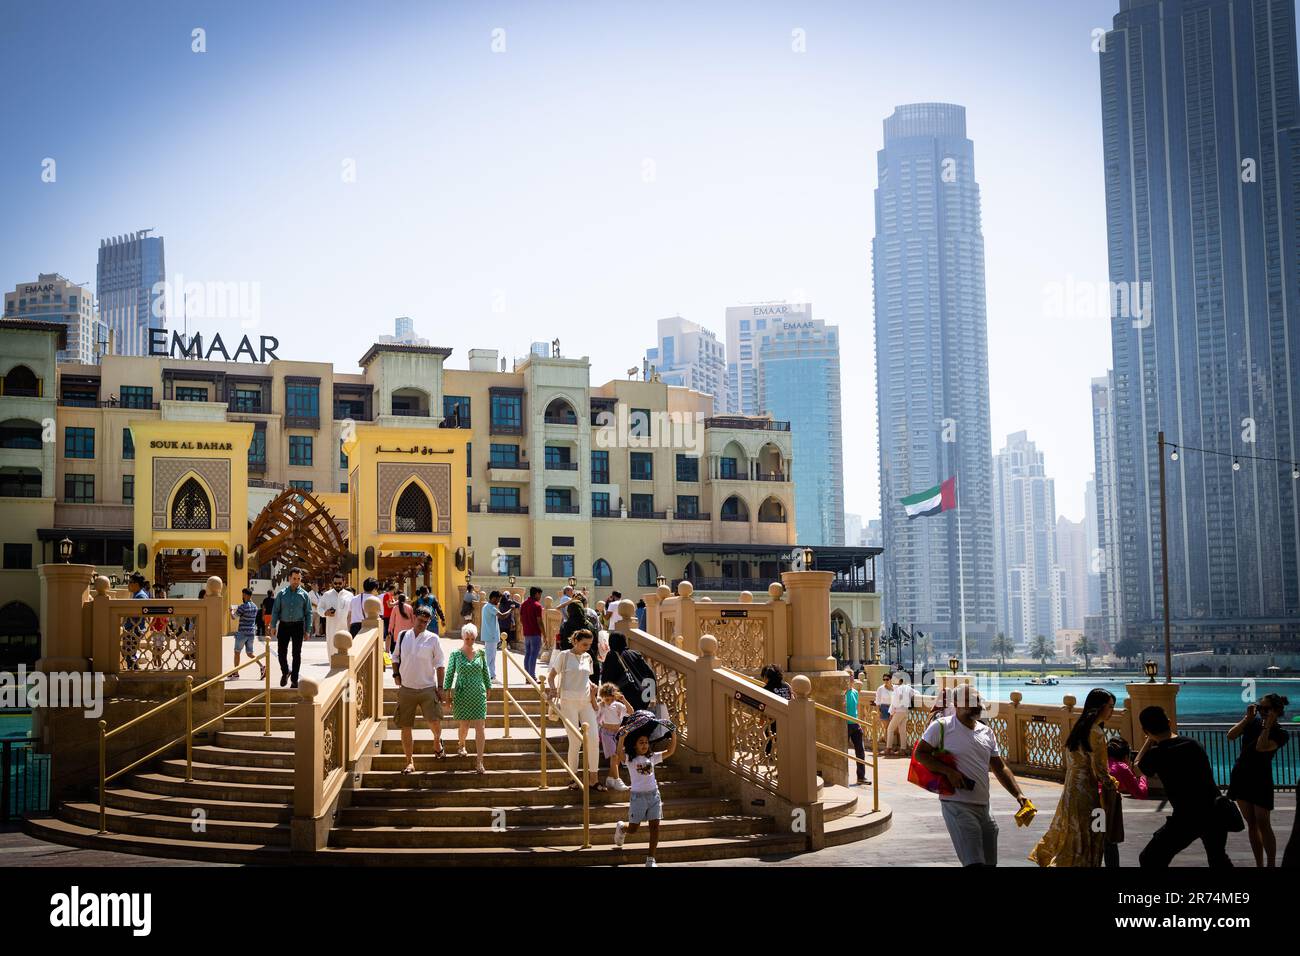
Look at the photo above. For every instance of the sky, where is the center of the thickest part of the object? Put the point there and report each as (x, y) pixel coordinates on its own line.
(505, 173)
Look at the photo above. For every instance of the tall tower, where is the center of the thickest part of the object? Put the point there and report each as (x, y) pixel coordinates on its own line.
(1028, 572)
(932, 382)
(129, 287)
(1200, 108)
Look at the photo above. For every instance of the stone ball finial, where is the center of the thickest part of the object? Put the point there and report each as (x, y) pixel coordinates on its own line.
(680, 642)
(664, 592)
(308, 689)
(215, 586)
(549, 602)
(372, 607)
(340, 642)
(102, 584)
(1016, 698)
(775, 590)
(626, 609)
(685, 589)
(708, 645)
(1068, 700)
(746, 597)
(706, 598)
(600, 607)
(801, 686)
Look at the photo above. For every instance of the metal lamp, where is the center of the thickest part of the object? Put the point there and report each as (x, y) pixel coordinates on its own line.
(1149, 668)
(661, 581)
(807, 559)
(954, 663)
(65, 550)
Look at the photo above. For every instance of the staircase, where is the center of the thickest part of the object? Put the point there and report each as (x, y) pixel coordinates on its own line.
(238, 807)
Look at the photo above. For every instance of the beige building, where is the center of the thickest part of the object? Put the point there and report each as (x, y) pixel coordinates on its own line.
(614, 485)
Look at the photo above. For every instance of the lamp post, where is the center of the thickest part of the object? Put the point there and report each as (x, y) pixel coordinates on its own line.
(1164, 555)
(807, 559)
(661, 581)
(953, 663)
(65, 550)
(1149, 667)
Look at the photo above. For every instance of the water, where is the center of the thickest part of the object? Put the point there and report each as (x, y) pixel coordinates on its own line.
(15, 723)
(1200, 700)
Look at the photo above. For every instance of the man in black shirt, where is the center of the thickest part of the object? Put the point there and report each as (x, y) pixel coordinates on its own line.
(1184, 771)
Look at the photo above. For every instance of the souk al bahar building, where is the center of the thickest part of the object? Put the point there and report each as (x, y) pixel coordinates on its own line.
(180, 467)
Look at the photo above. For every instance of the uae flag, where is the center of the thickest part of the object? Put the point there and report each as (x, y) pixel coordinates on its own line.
(942, 497)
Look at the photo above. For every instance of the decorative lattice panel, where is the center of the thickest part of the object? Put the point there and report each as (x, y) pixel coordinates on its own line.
(670, 690)
(751, 742)
(392, 476)
(167, 473)
(332, 740)
(191, 509)
(742, 642)
(159, 643)
(1042, 742)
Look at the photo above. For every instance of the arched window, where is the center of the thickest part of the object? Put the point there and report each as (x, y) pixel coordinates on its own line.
(693, 571)
(647, 575)
(20, 635)
(414, 513)
(191, 509)
(772, 511)
(601, 572)
(20, 433)
(735, 509)
(20, 482)
(20, 381)
(560, 412)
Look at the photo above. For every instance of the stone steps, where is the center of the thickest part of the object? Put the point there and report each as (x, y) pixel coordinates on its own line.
(250, 832)
(429, 795)
(487, 816)
(558, 834)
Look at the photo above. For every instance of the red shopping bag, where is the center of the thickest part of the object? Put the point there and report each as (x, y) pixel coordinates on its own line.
(926, 778)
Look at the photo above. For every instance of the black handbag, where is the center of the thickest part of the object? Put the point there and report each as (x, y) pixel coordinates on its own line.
(1227, 815)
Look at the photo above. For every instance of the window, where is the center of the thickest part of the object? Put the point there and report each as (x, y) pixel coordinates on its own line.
(20, 483)
(602, 573)
(246, 399)
(600, 468)
(343, 458)
(560, 412)
(561, 565)
(726, 468)
(455, 408)
(300, 485)
(78, 442)
(257, 450)
(191, 508)
(137, 396)
(600, 502)
(642, 504)
(561, 541)
(688, 504)
(688, 468)
(643, 466)
(79, 489)
(190, 393)
(507, 413)
(343, 487)
(300, 449)
(647, 574)
(18, 557)
(20, 433)
(21, 382)
(128, 445)
(504, 456)
(414, 513)
(302, 400)
(128, 489)
(510, 564)
(733, 509)
(557, 458)
(639, 423)
(508, 543)
(559, 501)
(354, 408)
(503, 499)
(469, 459)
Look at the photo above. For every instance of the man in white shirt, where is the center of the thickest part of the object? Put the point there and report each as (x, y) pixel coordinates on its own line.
(419, 669)
(357, 608)
(900, 702)
(611, 606)
(973, 748)
(884, 694)
(335, 606)
(566, 596)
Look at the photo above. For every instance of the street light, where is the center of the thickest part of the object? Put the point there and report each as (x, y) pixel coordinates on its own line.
(1149, 668)
(65, 550)
(807, 559)
(512, 580)
(953, 663)
(661, 581)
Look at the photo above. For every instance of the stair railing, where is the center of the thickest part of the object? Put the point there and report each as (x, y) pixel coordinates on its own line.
(105, 778)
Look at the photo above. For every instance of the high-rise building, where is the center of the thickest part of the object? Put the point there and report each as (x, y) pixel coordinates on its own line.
(798, 370)
(130, 285)
(1201, 124)
(932, 383)
(1106, 556)
(1093, 605)
(52, 298)
(403, 333)
(744, 323)
(852, 530)
(690, 356)
(873, 536)
(1027, 575)
(1072, 560)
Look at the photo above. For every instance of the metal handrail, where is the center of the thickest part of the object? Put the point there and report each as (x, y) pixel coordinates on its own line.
(105, 778)
(508, 700)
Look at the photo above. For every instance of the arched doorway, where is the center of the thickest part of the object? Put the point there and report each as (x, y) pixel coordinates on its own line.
(20, 635)
(414, 511)
(191, 508)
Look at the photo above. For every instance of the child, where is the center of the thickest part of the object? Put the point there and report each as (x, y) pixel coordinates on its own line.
(246, 615)
(613, 708)
(645, 803)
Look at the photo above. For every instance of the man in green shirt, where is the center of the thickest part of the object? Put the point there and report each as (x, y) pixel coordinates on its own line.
(290, 617)
(855, 729)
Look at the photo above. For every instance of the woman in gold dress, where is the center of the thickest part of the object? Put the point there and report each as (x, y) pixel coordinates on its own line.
(1077, 835)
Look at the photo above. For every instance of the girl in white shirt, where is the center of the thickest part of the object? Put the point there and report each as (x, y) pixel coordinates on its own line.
(613, 708)
(576, 699)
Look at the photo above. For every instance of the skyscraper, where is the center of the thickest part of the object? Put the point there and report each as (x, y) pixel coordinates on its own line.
(128, 284)
(1200, 108)
(1028, 578)
(932, 383)
(1106, 557)
(1072, 560)
(52, 298)
(798, 375)
(744, 324)
(689, 355)
(403, 333)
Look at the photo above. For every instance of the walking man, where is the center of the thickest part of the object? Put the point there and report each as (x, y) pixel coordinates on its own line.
(900, 702)
(855, 729)
(530, 621)
(419, 668)
(357, 609)
(290, 617)
(334, 606)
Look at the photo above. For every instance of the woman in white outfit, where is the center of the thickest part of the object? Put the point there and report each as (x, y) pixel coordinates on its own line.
(575, 696)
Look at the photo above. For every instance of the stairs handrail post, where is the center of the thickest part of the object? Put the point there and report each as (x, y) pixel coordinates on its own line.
(266, 667)
(189, 728)
(103, 773)
(586, 789)
(546, 705)
(505, 689)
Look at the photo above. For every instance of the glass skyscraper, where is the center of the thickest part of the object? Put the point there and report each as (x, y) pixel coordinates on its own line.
(128, 285)
(932, 380)
(1200, 107)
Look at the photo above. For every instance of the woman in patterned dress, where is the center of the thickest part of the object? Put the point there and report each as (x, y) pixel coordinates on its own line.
(1074, 839)
(467, 678)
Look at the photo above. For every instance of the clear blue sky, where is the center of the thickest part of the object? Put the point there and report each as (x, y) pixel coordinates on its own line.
(519, 177)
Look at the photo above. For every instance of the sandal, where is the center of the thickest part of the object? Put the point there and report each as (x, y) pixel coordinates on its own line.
(409, 768)
(480, 768)
(598, 788)
(440, 753)
(462, 752)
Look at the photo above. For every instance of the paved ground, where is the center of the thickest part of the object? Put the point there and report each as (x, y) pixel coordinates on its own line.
(916, 838)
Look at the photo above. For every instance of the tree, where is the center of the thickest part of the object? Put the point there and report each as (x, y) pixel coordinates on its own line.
(1085, 648)
(1041, 648)
(1002, 647)
(1128, 649)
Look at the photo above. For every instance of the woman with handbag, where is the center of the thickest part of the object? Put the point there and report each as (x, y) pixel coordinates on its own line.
(1251, 781)
(1072, 838)
(627, 670)
(467, 679)
(569, 686)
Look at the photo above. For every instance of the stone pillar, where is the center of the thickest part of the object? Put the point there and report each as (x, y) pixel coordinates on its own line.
(65, 640)
(809, 594)
(873, 676)
(1141, 696)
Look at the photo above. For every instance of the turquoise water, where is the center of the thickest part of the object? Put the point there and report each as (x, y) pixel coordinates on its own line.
(1205, 700)
(15, 723)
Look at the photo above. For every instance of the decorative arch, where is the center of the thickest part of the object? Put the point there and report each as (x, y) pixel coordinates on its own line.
(295, 529)
(191, 507)
(434, 478)
(413, 511)
(20, 433)
(772, 511)
(171, 474)
(415, 402)
(559, 411)
(20, 634)
(602, 573)
(734, 509)
(734, 449)
(693, 571)
(647, 575)
(21, 382)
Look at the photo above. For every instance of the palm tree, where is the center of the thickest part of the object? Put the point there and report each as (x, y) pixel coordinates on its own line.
(1002, 647)
(1041, 648)
(1085, 648)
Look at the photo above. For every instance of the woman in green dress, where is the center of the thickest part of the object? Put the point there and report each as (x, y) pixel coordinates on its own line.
(468, 680)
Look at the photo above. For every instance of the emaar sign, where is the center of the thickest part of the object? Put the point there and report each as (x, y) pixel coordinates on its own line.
(194, 348)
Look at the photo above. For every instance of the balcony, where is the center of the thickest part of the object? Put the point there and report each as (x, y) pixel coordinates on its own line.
(261, 483)
(771, 476)
(560, 420)
(247, 408)
(654, 515)
(600, 477)
(740, 519)
(727, 584)
(563, 509)
(509, 472)
(507, 509)
(257, 466)
(854, 587)
(505, 428)
(411, 412)
(692, 516)
(605, 513)
(759, 424)
(561, 466)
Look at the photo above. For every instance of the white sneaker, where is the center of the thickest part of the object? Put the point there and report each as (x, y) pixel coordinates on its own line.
(650, 861)
(620, 834)
(614, 783)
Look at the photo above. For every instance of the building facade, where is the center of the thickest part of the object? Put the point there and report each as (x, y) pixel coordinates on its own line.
(1072, 561)
(52, 298)
(746, 323)
(690, 356)
(130, 283)
(1201, 124)
(403, 333)
(1106, 556)
(1028, 576)
(932, 375)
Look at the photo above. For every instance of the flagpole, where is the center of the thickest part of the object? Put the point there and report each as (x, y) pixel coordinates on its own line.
(961, 581)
